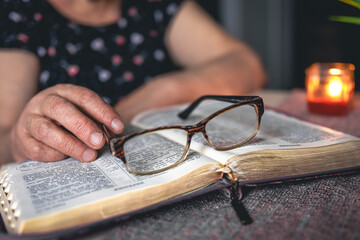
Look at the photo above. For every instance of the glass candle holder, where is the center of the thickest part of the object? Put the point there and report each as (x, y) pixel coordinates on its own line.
(330, 88)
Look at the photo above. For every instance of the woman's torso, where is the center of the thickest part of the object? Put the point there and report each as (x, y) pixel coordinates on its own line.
(112, 60)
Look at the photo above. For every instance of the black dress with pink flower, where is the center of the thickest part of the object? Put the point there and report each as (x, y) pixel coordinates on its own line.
(112, 60)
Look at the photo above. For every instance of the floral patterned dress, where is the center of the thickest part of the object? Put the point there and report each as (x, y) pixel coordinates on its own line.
(112, 60)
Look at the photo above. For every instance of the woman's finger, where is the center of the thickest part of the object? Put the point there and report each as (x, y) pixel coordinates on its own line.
(93, 105)
(50, 134)
(38, 151)
(66, 114)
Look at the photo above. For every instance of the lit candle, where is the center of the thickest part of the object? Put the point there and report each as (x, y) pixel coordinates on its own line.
(330, 88)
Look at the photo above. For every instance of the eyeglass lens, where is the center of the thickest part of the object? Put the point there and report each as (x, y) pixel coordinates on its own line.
(153, 151)
(233, 127)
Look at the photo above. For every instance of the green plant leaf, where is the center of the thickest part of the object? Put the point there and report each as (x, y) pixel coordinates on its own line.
(355, 3)
(346, 19)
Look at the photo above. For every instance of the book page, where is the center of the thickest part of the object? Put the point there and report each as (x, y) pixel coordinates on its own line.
(277, 131)
(39, 188)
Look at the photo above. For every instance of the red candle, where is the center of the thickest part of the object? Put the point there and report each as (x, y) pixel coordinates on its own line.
(330, 88)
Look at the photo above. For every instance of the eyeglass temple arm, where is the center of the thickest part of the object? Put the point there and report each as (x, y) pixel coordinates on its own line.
(232, 99)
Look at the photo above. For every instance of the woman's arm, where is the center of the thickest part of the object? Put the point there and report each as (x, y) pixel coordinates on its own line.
(18, 83)
(32, 124)
(213, 62)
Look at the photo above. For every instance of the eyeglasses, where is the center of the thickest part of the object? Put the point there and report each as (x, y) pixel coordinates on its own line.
(158, 149)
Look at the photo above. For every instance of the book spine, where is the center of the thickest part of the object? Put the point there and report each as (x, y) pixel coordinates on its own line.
(8, 205)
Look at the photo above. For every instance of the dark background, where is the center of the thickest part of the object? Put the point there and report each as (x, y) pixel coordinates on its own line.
(316, 38)
(212, 7)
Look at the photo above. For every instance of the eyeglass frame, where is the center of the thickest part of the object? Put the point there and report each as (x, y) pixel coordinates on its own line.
(116, 144)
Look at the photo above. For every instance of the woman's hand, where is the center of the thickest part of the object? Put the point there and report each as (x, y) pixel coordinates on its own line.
(61, 121)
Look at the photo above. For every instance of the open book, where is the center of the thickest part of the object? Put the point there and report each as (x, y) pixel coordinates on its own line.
(42, 198)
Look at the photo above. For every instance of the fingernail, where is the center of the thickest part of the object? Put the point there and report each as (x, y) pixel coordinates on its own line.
(96, 138)
(89, 155)
(117, 125)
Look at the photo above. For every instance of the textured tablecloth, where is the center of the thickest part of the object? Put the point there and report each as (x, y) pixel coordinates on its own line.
(323, 208)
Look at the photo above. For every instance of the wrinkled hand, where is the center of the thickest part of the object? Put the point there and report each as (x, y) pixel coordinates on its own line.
(59, 122)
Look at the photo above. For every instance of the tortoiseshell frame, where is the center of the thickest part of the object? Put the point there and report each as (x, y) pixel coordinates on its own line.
(117, 143)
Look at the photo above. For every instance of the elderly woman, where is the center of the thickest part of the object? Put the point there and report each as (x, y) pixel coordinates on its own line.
(67, 65)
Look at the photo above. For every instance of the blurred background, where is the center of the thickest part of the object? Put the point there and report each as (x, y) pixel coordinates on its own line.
(290, 35)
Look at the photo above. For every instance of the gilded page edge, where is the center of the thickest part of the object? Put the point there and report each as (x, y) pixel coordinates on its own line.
(119, 205)
(269, 167)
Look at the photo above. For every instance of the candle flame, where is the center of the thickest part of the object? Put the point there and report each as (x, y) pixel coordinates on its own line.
(334, 71)
(335, 87)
